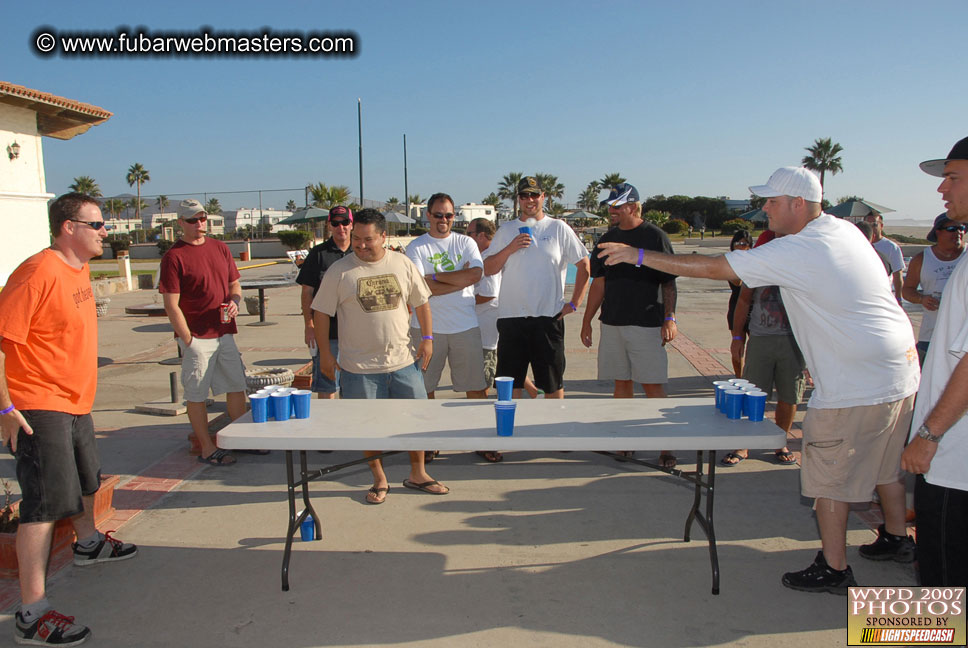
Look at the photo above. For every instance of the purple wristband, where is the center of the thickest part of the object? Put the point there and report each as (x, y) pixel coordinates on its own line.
(641, 257)
(8, 410)
(428, 337)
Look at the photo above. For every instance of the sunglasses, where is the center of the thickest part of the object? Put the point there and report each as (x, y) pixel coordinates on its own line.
(954, 228)
(195, 219)
(340, 223)
(528, 196)
(447, 216)
(94, 224)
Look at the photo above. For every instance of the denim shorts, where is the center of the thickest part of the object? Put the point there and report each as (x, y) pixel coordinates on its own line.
(407, 382)
(56, 465)
(322, 384)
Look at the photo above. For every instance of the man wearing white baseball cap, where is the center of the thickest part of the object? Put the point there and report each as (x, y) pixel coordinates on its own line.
(859, 346)
(938, 449)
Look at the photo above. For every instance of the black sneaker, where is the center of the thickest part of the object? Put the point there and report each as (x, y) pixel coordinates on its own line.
(107, 550)
(52, 629)
(890, 547)
(820, 577)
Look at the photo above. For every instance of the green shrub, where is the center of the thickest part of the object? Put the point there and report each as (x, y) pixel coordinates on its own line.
(656, 217)
(732, 226)
(675, 226)
(118, 243)
(164, 245)
(295, 239)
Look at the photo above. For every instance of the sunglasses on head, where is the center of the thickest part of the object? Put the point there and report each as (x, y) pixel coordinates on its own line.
(441, 215)
(954, 228)
(94, 224)
(340, 223)
(195, 219)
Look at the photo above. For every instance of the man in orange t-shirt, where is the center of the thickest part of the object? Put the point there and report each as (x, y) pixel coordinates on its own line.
(48, 378)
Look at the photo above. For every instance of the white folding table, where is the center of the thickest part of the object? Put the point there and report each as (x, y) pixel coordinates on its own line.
(604, 425)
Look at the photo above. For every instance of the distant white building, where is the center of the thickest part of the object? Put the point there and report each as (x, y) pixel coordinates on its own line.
(469, 211)
(234, 219)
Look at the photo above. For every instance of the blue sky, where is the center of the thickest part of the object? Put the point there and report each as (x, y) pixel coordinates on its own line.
(695, 98)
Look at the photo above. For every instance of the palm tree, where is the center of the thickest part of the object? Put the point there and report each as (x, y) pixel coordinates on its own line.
(213, 207)
(291, 206)
(588, 200)
(610, 180)
(162, 202)
(86, 185)
(552, 188)
(137, 175)
(138, 204)
(326, 197)
(415, 199)
(392, 204)
(823, 157)
(492, 199)
(507, 189)
(114, 206)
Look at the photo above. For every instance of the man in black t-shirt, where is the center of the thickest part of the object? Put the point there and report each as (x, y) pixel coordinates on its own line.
(320, 258)
(638, 306)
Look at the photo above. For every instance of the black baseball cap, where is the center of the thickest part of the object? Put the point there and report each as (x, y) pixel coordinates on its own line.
(936, 167)
(530, 185)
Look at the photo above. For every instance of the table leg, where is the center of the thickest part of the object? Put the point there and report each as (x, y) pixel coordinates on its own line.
(307, 505)
(705, 520)
(291, 489)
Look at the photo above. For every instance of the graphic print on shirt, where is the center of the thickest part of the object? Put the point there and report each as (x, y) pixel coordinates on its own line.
(441, 262)
(378, 293)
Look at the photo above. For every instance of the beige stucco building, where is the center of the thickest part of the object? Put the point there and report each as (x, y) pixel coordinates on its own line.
(27, 115)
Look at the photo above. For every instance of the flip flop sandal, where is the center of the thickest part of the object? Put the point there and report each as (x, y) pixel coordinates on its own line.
(667, 461)
(376, 492)
(785, 458)
(425, 486)
(736, 458)
(492, 457)
(218, 458)
(430, 455)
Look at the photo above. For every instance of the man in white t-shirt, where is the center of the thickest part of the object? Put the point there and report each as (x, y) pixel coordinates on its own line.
(938, 449)
(858, 345)
(889, 249)
(451, 265)
(534, 253)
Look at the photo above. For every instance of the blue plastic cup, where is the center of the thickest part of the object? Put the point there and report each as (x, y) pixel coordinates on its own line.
(307, 530)
(524, 229)
(755, 405)
(721, 396)
(260, 407)
(718, 393)
(504, 411)
(301, 399)
(738, 381)
(734, 403)
(281, 405)
(505, 388)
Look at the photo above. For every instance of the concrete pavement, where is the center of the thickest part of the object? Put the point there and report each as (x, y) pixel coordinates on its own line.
(563, 550)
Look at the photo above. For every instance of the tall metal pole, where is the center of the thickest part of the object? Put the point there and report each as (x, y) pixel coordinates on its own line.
(359, 123)
(406, 189)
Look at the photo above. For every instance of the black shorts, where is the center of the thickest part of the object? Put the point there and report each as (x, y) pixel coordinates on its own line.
(535, 341)
(56, 465)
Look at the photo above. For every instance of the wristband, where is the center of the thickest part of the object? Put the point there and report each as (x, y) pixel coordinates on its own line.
(739, 338)
(434, 276)
(670, 319)
(641, 257)
(428, 337)
(573, 307)
(8, 410)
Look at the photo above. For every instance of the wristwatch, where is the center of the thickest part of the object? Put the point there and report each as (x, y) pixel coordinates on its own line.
(925, 434)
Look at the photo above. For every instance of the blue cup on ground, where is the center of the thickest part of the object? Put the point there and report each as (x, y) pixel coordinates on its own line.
(524, 229)
(734, 403)
(505, 388)
(755, 405)
(721, 396)
(504, 411)
(260, 407)
(301, 399)
(281, 405)
(307, 530)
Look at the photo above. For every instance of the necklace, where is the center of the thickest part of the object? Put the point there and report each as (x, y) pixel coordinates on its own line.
(946, 257)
